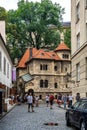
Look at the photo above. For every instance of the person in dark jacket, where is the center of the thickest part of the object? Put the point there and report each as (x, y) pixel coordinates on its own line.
(77, 96)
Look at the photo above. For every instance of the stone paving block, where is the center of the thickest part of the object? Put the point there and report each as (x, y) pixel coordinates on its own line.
(20, 119)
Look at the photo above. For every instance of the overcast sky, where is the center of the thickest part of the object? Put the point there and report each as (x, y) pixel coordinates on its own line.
(12, 4)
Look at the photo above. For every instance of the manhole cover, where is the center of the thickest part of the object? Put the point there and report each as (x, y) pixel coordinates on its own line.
(51, 124)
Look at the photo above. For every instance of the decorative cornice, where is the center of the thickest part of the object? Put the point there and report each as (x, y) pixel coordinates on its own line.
(77, 51)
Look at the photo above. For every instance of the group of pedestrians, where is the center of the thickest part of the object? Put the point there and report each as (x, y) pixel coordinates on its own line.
(33, 100)
(67, 100)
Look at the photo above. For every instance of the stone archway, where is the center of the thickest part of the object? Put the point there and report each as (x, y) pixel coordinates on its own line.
(31, 91)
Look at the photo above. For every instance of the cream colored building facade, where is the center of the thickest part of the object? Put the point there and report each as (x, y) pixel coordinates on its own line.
(79, 46)
(50, 71)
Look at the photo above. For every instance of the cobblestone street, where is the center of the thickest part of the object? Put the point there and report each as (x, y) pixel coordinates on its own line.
(20, 119)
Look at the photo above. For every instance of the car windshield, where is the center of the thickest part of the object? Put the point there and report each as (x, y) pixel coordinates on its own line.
(81, 104)
(75, 105)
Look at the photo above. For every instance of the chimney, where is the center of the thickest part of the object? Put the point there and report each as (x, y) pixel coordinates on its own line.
(2, 30)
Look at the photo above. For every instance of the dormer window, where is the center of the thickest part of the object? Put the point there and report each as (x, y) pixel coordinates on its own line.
(65, 56)
(53, 54)
(42, 54)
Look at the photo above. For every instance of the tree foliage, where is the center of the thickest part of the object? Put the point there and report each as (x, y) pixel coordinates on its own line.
(31, 26)
(67, 37)
(3, 14)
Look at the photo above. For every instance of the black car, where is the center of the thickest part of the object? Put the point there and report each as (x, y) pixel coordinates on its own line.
(76, 115)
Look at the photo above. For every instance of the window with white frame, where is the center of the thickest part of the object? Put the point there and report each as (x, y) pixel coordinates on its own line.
(77, 12)
(4, 67)
(78, 40)
(0, 60)
(8, 70)
(78, 72)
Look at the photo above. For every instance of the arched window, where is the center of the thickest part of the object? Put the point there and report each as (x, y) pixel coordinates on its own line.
(41, 83)
(55, 68)
(46, 83)
(55, 85)
(41, 67)
(46, 67)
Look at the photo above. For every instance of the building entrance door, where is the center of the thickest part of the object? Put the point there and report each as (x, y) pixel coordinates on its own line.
(31, 91)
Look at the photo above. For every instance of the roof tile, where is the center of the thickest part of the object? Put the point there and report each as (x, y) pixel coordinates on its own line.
(62, 46)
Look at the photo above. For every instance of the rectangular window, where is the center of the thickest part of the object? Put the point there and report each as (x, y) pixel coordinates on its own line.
(78, 40)
(4, 68)
(0, 61)
(85, 4)
(43, 83)
(77, 12)
(86, 67)
(78, 72)
(43, 67)
(7, 70)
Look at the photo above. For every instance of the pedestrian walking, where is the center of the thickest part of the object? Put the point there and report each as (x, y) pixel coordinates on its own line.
(30, 102)
(36, 101)
(51, 99)
(64, 101)
(47, 100)
(59, 100)
(70, 100)
(77, 96)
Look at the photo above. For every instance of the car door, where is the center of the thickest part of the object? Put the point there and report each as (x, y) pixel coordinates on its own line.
(78, 113)
(72, 112)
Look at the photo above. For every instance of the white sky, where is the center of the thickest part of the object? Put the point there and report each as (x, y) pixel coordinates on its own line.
(12, 4)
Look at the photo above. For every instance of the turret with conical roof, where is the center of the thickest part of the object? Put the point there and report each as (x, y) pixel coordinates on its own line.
(63, 51)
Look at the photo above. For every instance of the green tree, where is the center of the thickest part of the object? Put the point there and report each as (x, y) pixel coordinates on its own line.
(31, 25)
(67, 37)
(3, 14)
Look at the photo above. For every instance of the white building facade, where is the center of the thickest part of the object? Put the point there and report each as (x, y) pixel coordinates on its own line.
(79, 46)
(5, 67)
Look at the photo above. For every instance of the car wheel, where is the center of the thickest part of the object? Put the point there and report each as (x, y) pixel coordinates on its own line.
(82, 127)
(67, 121)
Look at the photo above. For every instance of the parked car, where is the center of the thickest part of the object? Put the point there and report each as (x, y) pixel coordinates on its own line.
(76, 115)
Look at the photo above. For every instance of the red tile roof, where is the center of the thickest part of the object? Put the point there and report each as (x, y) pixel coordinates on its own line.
(26, 57)
(62, 46)
(33, 53)
(36, 54)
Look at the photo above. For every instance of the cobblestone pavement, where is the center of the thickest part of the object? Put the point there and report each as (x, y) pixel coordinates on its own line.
(20, 119)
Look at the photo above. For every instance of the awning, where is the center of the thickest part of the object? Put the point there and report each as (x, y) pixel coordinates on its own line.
(27, 77)
(2, 90)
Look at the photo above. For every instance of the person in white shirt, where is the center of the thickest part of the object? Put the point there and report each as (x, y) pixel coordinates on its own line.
(30, 102)
(36, 101)
(70, 100)
(47, 100)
